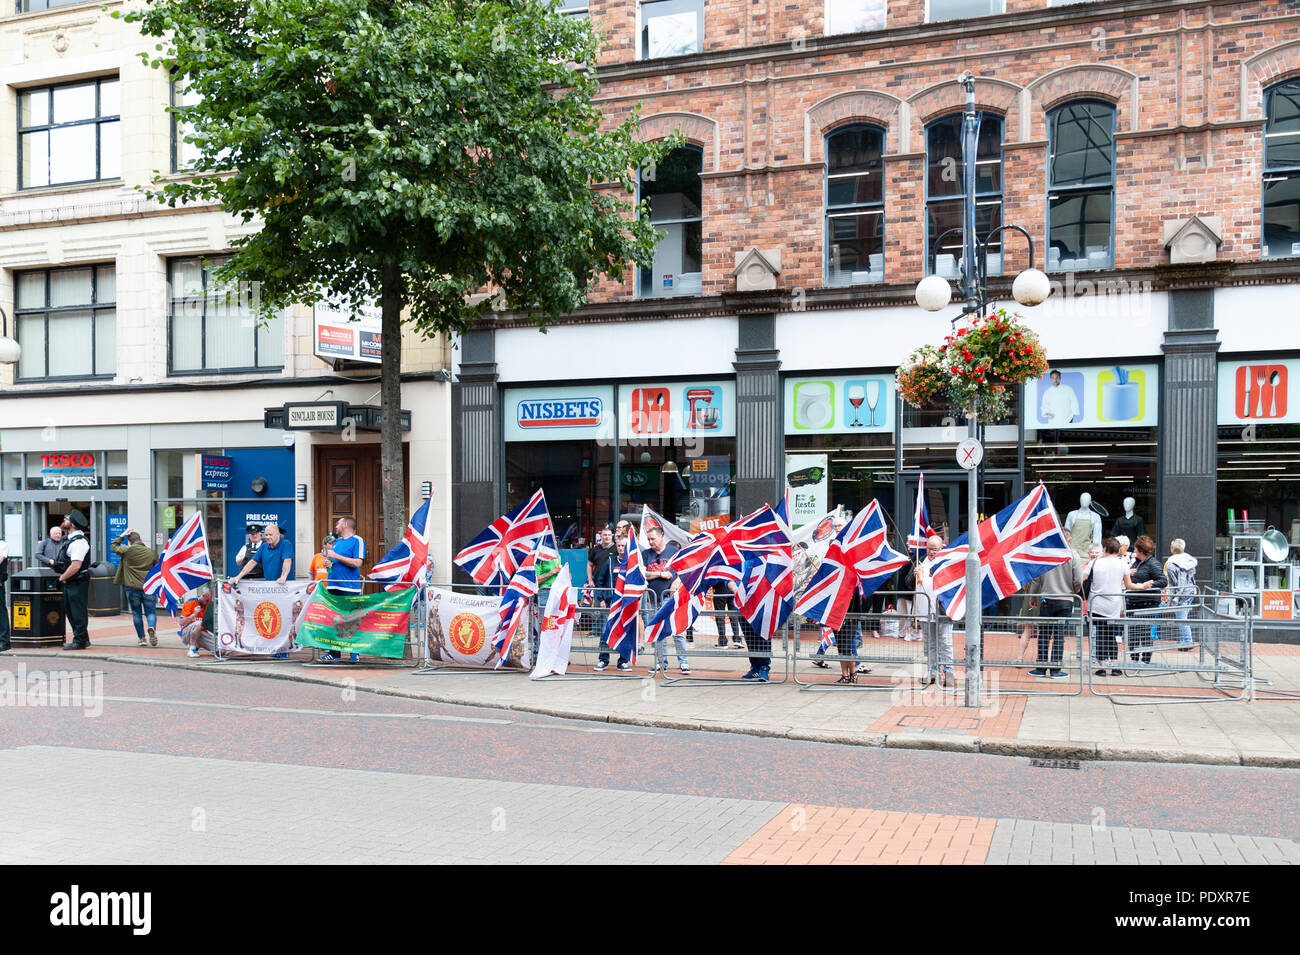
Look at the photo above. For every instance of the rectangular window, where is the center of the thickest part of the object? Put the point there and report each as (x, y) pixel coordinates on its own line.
(214, 328)
(185, 155)
(1282, 171)
(30, 6)
(69, 133)
(945, 193)
(67, 323)
(574, 8)
(855, 216)
(675, 196)
(671, 28)
(1081, 187)
(962, 9)
(854, 16)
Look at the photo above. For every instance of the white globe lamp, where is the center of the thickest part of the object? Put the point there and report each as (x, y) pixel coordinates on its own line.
(933, 293)
(10, 351)
(1031, 287)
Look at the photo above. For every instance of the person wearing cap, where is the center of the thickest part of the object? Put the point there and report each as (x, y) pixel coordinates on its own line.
(249, 550)
(137, 559)
(73, 567)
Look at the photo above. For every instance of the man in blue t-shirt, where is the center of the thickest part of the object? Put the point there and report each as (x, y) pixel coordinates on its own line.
(275, 557)
(348, 553)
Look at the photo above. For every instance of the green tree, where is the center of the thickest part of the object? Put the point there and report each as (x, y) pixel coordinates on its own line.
(410, 152)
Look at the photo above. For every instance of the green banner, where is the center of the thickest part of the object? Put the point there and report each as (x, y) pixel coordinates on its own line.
(374, 624)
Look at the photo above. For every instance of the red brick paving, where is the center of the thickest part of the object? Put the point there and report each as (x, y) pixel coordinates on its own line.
(822, 835)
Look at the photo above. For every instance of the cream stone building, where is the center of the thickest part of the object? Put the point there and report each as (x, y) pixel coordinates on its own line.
(142, 392)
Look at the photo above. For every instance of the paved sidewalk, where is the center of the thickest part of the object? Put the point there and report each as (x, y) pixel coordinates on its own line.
(894, 712)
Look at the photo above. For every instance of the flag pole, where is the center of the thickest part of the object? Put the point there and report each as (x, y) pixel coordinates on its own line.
(972, 286)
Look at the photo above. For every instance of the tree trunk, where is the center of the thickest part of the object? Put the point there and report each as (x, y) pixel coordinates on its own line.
(390, 408)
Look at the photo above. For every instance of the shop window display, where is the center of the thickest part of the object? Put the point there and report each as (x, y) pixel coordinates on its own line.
(576, 477)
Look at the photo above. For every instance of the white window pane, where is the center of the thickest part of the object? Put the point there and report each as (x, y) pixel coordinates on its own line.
(34, 108)
(73, 102)
(31, 336)
(110, 150)
(187, 339)
(72, 153)
(31, 290)
(110, 98)
(672, 35)
(961, 9)
(229, 339)
(106, 285)
(70, 344)
(854, 16)
(270, 343)
(70, 287)
(36, 159)
(105, 343)
(187, 278)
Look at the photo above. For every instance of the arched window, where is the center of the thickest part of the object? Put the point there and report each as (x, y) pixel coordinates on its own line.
(945, 192)
(1081, 187)
(1282, 170)
(672, 188)
(855, 206)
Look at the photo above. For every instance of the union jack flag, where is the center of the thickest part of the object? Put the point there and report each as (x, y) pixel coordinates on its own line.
(183, 565)
(828, 639)
(676, 615)
(860, 559)
(495, 555)
(620, 628)
(721, 554)
(514, 603)
(921, 529)
(407, 561)
(1017, 544)
(766, 593)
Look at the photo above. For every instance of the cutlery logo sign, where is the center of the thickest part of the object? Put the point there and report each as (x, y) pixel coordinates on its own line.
(1260, 392)
(650, 411)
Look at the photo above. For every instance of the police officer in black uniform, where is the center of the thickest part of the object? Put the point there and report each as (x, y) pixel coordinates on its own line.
(249, 552)
(4, 611)
(72, 564)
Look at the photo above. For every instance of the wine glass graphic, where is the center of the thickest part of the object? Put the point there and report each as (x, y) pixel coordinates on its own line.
(873, 399)
(856, 394)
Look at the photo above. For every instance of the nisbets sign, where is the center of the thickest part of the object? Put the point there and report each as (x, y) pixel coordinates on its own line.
(560, 413)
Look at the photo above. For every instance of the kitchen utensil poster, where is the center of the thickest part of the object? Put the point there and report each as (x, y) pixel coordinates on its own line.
(648, 413)
(839, 404)
(1258, 390)
(1095, 396)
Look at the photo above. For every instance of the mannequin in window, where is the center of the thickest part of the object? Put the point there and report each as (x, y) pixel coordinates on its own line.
(1130, 525)
(1084, 525)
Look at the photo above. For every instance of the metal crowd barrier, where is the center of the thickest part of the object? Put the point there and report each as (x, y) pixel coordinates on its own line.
(1205, 658)
(1024, 649)
(588, 631)
(726, 638)
(894, 640)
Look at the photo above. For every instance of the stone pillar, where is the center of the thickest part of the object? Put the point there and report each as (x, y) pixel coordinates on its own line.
(1188, 437)
(476, 443)
(760, 446)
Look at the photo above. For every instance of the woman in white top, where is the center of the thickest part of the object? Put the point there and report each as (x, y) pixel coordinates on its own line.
(1106, 600)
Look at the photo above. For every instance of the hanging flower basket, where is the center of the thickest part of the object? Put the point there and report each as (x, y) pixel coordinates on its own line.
(975, 369)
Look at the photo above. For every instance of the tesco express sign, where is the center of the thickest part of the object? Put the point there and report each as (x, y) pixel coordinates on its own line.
(59, 471)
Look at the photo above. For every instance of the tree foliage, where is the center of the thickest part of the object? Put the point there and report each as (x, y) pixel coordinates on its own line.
(455, 141)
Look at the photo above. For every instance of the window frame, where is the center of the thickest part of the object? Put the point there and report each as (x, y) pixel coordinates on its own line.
(1277, 173)
(640, 291)
(930, 256)
(97, 121)
(853, 208)
(999, 7)
(1085, 189)
(93, 306)
(206, 267)
(642, 25)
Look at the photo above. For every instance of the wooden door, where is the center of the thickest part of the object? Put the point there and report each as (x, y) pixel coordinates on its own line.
(348, 484)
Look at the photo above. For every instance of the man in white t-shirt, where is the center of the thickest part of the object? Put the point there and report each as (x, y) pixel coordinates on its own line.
(1060, 405)
(73, 567)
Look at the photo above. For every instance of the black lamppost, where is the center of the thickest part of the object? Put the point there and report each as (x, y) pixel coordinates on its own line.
(1031, 287)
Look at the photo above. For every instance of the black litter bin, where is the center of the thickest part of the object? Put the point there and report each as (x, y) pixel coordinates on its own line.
(105, 596)
(36, 608)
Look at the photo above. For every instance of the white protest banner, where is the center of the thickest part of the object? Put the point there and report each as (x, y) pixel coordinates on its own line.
(460, 628)
(260, 616)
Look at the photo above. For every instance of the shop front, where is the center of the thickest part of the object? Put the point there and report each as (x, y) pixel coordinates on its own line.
(1257, 520)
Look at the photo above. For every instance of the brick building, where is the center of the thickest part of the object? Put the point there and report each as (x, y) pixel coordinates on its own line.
(1152, 151)
(133, 366)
